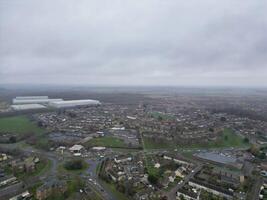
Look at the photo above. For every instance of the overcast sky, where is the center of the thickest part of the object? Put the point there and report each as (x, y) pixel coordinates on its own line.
(146, 42)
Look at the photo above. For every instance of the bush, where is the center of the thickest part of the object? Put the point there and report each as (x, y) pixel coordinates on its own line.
(74, 165)
(12, 139)
(152, 179)
(246, 140)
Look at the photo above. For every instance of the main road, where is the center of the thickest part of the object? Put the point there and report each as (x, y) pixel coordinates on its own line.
(95, 182)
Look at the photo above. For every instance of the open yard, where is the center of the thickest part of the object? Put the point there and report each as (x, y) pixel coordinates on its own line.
(18, 125)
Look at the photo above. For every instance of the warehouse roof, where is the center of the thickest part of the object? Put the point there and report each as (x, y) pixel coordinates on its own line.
(27, 106)
(71, 103)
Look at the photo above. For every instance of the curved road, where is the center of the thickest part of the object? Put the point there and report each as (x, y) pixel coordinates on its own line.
(95, 181)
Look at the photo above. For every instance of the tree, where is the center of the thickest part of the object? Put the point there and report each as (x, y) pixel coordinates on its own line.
(181, 197)
(74, 164)
(223, 119)
(261, 155)
(12, 139)
(211, 130)
(246, 140)
(225, 137)
(152, 179)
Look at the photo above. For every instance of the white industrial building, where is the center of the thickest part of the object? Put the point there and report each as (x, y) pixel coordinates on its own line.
(34, 100)
(73, 103)
(40, 102)
(27, 107)
(32, 97)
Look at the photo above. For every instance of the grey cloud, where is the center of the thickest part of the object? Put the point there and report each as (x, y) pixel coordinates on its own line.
(134, 43)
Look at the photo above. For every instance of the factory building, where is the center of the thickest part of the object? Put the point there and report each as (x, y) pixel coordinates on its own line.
(31, 97)
(34, 100)
(41, 102)
(74, 103)
(27, 107)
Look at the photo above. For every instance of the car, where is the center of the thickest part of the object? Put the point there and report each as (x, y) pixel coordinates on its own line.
(264, 173)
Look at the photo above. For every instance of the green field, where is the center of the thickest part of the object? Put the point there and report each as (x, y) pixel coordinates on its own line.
(106, 141)
(161, 116)
(150, 144)
(227, 139)
(18, 125)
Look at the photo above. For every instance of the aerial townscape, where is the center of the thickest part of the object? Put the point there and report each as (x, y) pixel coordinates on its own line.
(135, 145)
(133, 100)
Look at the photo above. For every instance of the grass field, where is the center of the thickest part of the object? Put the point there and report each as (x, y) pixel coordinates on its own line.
(106, 141)
(227, 139)
(150, 144)
(163, 116)
(18, 125)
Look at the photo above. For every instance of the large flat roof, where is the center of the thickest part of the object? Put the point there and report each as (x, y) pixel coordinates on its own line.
(31, 97)
(73, 103)
(32, 101)
(76, 101)
(27, 106)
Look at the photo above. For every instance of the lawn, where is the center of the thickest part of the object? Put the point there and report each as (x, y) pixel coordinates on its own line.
(163, 116)
(227, 139)
(43, 167)
(18, 125)
(106, 141)
(150, 144)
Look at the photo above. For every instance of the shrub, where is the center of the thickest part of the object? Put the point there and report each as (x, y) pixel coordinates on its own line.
(74, 164)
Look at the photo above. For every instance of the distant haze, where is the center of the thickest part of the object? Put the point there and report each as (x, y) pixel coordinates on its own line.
(128, 43)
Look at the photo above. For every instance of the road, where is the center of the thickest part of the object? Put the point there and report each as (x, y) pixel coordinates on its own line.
(9, 191)
(172, 193)
(256, 188)
(54, 159)
(94, 181)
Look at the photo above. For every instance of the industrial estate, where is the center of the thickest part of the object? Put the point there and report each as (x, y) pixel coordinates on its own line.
(134, 146)
(43, 102)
